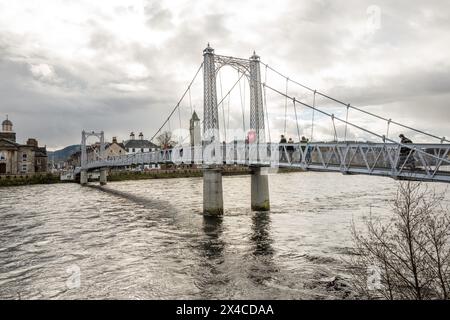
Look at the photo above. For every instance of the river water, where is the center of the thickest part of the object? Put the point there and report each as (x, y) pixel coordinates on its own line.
(147, 239)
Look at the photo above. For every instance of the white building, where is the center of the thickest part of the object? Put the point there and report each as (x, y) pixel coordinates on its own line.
(133, 146)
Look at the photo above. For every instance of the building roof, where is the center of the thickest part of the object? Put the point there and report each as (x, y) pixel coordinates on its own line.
(108, 144)
(6, 142)
(138, 144)
(7, 123)
(11, 145)
(40, 152)
(195, 117)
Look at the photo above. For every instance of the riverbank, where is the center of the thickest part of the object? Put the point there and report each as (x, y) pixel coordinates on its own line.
(21, 180)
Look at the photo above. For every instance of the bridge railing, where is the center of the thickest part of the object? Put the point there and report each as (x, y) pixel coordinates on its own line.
(428, 161)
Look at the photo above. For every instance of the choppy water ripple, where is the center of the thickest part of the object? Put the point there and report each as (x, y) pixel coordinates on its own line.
(148, 239)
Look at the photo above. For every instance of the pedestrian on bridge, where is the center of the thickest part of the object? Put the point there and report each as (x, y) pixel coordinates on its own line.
(290, 148)
(304, 141)
(281, 148)
(406, 154)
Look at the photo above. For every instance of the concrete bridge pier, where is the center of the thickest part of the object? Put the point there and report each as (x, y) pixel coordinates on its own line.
(103, 177)
(260, 188)
(212, 191)
(83, 177)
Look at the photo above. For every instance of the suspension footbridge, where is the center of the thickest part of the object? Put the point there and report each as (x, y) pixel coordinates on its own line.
(379, 155)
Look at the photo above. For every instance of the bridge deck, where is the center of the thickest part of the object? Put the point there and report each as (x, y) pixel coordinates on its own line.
(422, 162)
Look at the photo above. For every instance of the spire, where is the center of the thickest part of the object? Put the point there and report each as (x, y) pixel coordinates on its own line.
(208, 49)
(254, 56)
(195, 116)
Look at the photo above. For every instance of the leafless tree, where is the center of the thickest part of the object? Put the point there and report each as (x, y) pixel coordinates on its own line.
(165, 140)
(407, 257)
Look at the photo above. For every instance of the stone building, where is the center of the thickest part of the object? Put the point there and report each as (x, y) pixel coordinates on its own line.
(112, 150)
(17, 158)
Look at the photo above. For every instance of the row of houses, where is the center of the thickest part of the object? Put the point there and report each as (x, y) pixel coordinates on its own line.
(134, 145)
(30, 158)
(114, 149)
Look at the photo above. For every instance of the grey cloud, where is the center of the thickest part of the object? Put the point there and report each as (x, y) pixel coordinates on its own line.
(400, 86)
(157, 16)
(305, 41)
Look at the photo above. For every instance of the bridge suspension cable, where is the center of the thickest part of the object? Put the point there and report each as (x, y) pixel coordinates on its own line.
(296, 120)
(178, 103)
(265, 105)
(387, 130)
(228, 95)
(222, 105)
(441, 139)
(242, 102)
(179, 123)
(231, 89)
(357, 127)
(334, 127)
(346, 124)
(312, 118)
(190, 100)
(228, 111)
(285, 106)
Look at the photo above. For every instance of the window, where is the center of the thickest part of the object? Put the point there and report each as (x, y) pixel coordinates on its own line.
(2, 156)
(132, 150)
(142, 149)
(24, 167)
(24, 157)
(39, 161)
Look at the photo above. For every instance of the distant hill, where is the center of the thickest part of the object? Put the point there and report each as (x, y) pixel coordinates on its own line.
(63, 154)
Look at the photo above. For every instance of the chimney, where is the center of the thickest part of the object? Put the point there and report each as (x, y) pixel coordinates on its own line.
(114, 140)
(132, 136)
(32, 142)
(141, 136)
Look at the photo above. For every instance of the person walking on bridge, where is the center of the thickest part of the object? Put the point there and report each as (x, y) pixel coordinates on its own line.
(281, 148)
(404, 139)
(406, 157)
(290, 148)
(304, 141)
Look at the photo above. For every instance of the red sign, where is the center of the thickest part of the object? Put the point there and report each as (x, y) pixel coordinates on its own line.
(251, 136)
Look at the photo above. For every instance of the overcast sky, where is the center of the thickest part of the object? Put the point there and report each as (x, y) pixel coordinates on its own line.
(121, 66)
